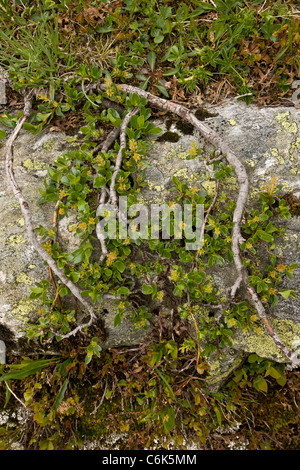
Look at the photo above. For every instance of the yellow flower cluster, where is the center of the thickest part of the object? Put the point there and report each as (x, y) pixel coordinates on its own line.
(110, 258)
(193, 151)
(160, 295)
(175, 275)
(48, 247)
(62, 193)
(270, 187)
(100, 160)
(194, 190)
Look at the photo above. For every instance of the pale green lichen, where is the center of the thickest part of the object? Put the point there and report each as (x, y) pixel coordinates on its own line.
(177, 152)
(295, 145)
(49, 145)
(210, 187)
(23, 309)
(263, 345)
(31, 165)
(15, 240)
(232, 122)
(153, 187)
(31, 266)
(21, 222)
(23, 278)
(250, 163)
(275, 153)
(286, 123)
(218, 374)
(182, 173)
(231, 183)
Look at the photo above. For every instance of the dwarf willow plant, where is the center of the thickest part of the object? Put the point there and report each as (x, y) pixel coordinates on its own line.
(73, 184)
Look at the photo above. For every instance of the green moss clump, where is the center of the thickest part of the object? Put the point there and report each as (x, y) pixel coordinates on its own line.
(202, 114)
(169, 136)
(185, 127)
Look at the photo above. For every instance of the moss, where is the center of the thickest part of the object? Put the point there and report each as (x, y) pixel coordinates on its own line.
(202, 114)
(185, 127)
(293, 202)
(169, 136)
(96, 425)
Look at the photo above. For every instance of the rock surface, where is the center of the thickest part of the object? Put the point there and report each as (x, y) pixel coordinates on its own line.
(267, 140)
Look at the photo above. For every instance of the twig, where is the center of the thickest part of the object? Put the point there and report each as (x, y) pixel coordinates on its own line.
(207, 214)
(112, 191)
(17, 398)
(103, 396)
(111, 137)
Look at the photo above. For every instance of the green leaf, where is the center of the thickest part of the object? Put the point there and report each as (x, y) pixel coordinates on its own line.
(2, 134)
(8, 121)
(99, 181)
(260, 384)
(286, 293)
(7, 394)
(163, 90)
(74, 276)
(147, 290)
(281, 380)
(61, 394)
(154, 130)
(152, 59)
(118, 319)
(114, 117)
(168, 419)
(123, 290)
(253, 358)
(134, 99)
(25, 368)
(119, 265)
(218, 415)
(264, 236)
